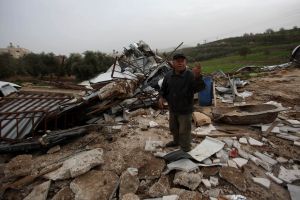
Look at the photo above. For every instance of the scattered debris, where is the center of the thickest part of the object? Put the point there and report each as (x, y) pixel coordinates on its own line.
(201, 119)
(160, 188)
(152, 145)
(240, 161)
(233, 176)
(129, 181)
(254, 142)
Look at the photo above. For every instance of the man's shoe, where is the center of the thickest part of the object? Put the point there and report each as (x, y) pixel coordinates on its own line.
(171, 144)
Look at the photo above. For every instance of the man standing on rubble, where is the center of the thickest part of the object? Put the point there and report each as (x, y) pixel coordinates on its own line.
(178, 88)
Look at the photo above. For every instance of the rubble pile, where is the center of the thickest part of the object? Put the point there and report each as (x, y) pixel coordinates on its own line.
(238, 151)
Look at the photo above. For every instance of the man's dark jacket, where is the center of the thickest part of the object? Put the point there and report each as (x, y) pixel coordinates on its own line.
(179, 89)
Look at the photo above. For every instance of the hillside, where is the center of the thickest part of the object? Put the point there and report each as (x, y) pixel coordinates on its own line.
(251, 49)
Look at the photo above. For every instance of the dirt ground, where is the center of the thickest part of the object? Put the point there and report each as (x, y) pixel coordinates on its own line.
(125, 148)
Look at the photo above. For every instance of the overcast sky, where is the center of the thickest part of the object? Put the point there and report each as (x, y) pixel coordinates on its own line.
(65, 26)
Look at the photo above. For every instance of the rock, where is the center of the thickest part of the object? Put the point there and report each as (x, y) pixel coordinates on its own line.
(77, 165)
(231, 163)
(210, 171)
(160, 188)
(130, 196)
(207, 183)
(94, 185)
(114, 161)
(216, 160)
(20, 165)
(233, 176)
(243, 154)
(189, 180)
(64, 194)
(240, 161)
(207, 161)
(297, 143)
(39, 192)
(152, 145)
(214, 181)
(129, 182)
(171, 197)
(254, 142)
(185, 194)
(228, 141)
(236, 144)
(282, 160)
(274, 178)
(200, 119)
(53, 149)
(243, 140)
(153, 124)
(262, 181)
(261, 163)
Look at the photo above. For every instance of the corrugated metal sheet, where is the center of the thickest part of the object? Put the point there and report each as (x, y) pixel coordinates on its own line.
(22, 112)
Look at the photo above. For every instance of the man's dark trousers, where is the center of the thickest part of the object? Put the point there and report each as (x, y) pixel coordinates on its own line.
(180, 127)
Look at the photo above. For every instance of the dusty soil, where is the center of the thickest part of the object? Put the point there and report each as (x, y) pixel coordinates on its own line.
(125, 148)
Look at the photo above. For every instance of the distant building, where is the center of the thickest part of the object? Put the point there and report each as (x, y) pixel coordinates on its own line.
(16, 52)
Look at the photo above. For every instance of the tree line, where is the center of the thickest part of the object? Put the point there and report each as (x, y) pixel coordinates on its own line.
(82, 66)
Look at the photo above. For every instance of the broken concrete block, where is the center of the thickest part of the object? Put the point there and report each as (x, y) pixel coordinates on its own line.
(282, 160)
(39, 192)
(129, 182)
(207, 161)
(243, 140)
(200, 119)
(20, 165)
(77, 165)
(262, 181)
(231, 163)
(294, 191)
(171, 197)
(152, 145)
(94, 185)
(64, 194)
(288, 175)
(216, 160)
(214, 181)
(264, 128)
(261, 163)
(240, 161)
(189, 180)
(288, 137)
(293, 122)
(254, 142)
(233, 176)
(274, 178)
(130, 196)
(265, 158)
(207, 183)
(228, 141)
(236, 144)
(297, 143)
(160, 188)
(153, 124)
(53, 149)
(243, 154)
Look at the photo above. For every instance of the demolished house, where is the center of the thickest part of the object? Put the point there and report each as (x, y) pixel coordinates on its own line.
(109, 143)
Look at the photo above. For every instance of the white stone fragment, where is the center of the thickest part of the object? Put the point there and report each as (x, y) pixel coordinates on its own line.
(231, 163)
(207, 183)
(274, 178)
(254, 142)
(288, 175)
(262, 181)
(240, 161)
(265, 158)
(153, 124)
(243, 140)
(170, 197)
(214, 181)
(282, 160)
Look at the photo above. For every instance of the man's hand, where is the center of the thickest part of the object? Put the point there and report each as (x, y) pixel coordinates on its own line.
(161, 102)
(197, 70)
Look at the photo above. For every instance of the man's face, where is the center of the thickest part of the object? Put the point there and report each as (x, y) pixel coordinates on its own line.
(179, 64)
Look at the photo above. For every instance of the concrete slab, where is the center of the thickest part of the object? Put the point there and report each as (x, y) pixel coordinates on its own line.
(77, 165)
(39, 192)
(254, 142)
(231, 163)
(274, 178)
(262, 181)
(240, 161)
(289, 175)
(266, 158)
(243, 140)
